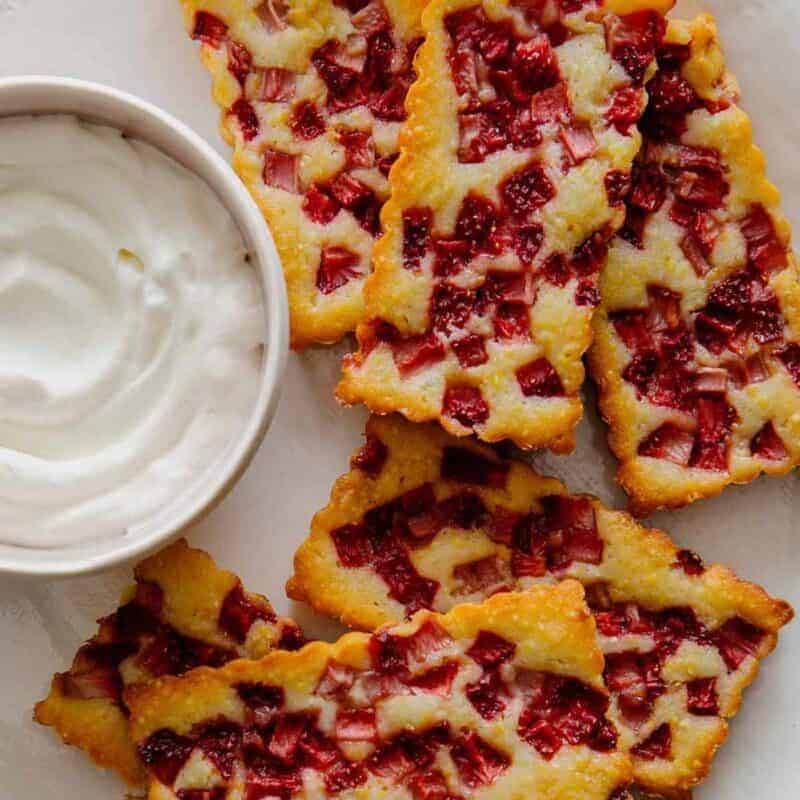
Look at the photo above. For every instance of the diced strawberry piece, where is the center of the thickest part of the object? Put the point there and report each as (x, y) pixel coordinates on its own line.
(737, 640)
(165, 752)
(551, 106)
(710, 380)
(345, 775)
(618, 185)
(790, 356)
(263, 701)
(556, 270)
(579, 141)
(702, 189)
(319, 206)
(417, 352)
(539, 379)
(359, 148)
(273, 14)
(485, 695)
(353, 545)
(527, 189)
(764, 249)
(649, 188)
(240, 611)
(463, 65)
(280, 170)
(512, 321)
(491, 650)
(217, 793)
(536, 63)
(372, 18)
(586, 294)
(477, 762)
(634, 679)
(470, 351)
(476, 221)
(336, 681)
(437, 680)
(571, 529)
(349, 191)
(277, 85)
(544, 737)
(99, 682)
(405, 584)
(337, 267)
(220, 743)
(480, 134)
(356, 725)
(658, 745)
(466, 466)
(486, 576)
(341, 73)
(268, 778)
(669, 92)
(306, 122)
(713, 333)
(701, 697)
(465, 404)
(422, 646)
(715, 419)
(589, 256)
(430, 785)
(632, 230)
(768, 445)
(239, 61)
(416, 234)
(626, 108)
(689, 562)
(209, 29)
(371, 457)
(247, 118)
(632, 41)
(695, 256)
(451, 307)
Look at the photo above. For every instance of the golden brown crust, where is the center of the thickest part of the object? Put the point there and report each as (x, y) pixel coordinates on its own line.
(429, 175)
(639, 566)
(182, 591)
(654, 483)
(316, 317)
(549, 627)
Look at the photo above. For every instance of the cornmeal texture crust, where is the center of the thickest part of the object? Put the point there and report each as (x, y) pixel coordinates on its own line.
(391, 715)
(423, 519)
(183, 612)
(312, 93)
(697, 339)
(521, 129)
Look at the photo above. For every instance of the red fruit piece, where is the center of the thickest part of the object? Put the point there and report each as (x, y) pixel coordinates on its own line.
(527, 189)
(416, 233)
(272, 14)
(618, 185)
(437, 680)
(353, 545)
(737, 640)
(715, 420)
(359, 148)
(632, 41)
(669, 442)
(764, 249)
(649, 188)
(319, 206)
(165, 752)
(626, 109)
(536, 64)
(579, 141)
(635, 681)
(247, 117)
(477, 762)
(337, 267)
(356, 725)
(280, 170)
(657, 745)
(371, 457)
(491, 650)
(306, 122)
(209, 29)
(476, 221)
(418, 352)
(96, 683)
(263, 701)
(702, 189)
(466, 466)
(485, 695)
(470, 350)
(430, 785)
(512, 321)
(341, 73)
(701, 697)
(465, 404)
(539, 379)
(551, 106)
(670, 93)
(239, 61)
(277, 85)
(220, 742)
(336, 681)
(240, 611)
(790, 356)
(451, 307)
(689, 562)
(480, 134)
(486, 576)
(767, 444)
(345, 775)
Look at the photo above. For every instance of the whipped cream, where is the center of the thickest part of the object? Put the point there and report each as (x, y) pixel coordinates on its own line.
(131, 331)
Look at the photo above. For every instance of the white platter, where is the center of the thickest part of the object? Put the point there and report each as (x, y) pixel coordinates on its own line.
(141, 47)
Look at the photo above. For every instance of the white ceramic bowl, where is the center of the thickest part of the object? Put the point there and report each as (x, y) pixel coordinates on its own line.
(141, 120)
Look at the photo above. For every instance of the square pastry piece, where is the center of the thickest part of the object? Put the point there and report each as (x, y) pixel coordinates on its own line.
(697, 340)
(521, 134)
(424, 520)
(312, 96)
(393, 715)
(183, 612)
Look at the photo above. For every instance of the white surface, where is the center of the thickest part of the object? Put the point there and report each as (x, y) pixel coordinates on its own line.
(145, 122)
(140, 46)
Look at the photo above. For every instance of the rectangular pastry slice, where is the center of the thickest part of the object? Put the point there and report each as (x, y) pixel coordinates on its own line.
(521, 131)
(697, 340)
(312, 93)
(425, 520)
(392, 716)
(183, 612)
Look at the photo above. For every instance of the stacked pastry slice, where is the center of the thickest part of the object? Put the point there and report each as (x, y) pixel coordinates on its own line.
(426, 520)
(182, 612)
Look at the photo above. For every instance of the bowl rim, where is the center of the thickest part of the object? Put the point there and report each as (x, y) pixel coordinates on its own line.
(142, 120)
